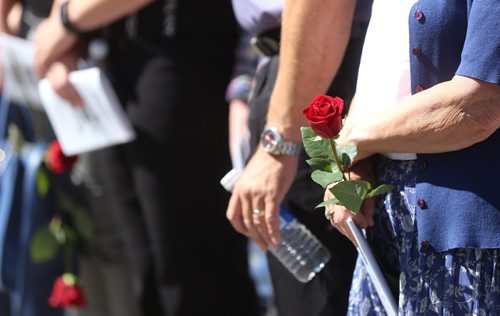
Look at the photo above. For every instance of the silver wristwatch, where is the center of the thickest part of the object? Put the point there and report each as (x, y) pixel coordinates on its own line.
(274, 143)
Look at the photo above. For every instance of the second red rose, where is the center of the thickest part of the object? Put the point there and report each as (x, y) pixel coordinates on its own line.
(56, 160)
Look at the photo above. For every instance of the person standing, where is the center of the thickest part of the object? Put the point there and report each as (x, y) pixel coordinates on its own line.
(170, 67)
(434, 134)
(101, 265)
(282, 88)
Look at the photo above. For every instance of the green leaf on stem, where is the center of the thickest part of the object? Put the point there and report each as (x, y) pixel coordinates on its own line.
(324, 178)
(322, 164)
(43, 246)
(314, 145)
(381, 189)
(346, 154)
(59, 234)
(16, 137)
(328, 202)
(351, 193)
(42, 182)
(55, 228)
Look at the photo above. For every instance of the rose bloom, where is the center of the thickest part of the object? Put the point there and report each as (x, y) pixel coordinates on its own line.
(56, 160)
(66, 293)
(325, 115)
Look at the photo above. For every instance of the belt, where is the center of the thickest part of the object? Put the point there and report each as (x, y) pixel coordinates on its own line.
(267, 43)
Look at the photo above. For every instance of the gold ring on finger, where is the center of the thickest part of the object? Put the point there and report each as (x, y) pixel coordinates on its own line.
(258, 212)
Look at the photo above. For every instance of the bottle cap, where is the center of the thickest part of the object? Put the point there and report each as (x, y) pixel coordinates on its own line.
(230, 179)
(285, 215)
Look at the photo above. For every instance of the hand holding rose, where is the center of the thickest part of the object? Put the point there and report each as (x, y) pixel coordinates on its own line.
(332, 165)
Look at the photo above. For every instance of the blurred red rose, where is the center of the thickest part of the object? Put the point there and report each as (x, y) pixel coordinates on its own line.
(66, 292)
(325, 115)
(56, 160)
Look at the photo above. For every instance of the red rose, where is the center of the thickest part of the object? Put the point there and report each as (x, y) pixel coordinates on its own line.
(324, 115)
(66, 292)
(56, 160)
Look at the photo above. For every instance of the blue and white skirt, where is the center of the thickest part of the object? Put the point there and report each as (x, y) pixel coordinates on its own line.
(453, 282)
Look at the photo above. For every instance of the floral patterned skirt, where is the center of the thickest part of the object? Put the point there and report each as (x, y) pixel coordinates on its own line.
(453, 282)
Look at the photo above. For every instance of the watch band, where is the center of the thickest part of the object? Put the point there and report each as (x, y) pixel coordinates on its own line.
(289, 148)
(274, 143)
(67, 23)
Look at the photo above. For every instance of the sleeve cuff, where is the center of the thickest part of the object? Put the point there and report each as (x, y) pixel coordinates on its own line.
(239, 88)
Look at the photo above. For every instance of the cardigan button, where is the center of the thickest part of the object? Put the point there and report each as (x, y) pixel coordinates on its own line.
(419, 88)
(419, 15)
(416, 52)
(422, 204)
(425, 244)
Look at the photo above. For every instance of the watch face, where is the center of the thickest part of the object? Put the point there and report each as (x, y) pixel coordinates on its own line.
(270, 140)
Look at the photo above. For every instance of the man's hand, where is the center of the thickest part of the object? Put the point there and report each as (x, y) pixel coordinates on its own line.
(262, 186)
(58, 76)
(339, 214)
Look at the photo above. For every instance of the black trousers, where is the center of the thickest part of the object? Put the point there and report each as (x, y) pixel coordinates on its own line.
(187, 258)
(327, 293)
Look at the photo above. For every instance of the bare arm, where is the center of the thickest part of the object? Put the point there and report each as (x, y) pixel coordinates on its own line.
(92, 14)
(52, 40)
(314, 37)
(449, 116)
(313, 45)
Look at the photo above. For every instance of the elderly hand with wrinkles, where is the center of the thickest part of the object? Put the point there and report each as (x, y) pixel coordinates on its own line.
(338, 214)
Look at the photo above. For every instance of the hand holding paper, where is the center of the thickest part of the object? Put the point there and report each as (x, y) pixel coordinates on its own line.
(99, 123)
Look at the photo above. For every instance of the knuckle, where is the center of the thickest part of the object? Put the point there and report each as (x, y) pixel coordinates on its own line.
(270, 219)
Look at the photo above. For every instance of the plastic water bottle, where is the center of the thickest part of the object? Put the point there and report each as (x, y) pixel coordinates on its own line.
(299, 251)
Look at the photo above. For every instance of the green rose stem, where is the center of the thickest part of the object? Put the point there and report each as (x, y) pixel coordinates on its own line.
(68, 258)
(334, 150)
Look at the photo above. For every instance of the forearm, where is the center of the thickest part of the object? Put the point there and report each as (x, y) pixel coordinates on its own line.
(238, 126)
(314, 38)
(89, 15)
(449, 116)
(52, 39)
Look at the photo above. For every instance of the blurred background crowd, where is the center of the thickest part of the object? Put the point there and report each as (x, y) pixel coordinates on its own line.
(150, 235)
